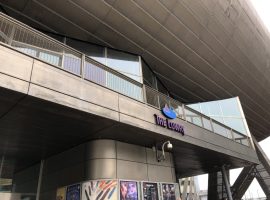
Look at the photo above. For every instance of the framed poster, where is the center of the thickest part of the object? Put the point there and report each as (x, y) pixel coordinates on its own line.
(61, 193)
(73, 192)
(128, 190)
(150, 191)
(99, 190)
(168, 191)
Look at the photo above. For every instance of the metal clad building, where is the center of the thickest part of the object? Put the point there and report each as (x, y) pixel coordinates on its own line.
(96, 91)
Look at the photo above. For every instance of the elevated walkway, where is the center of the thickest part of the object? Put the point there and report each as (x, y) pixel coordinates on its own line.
(54, 97)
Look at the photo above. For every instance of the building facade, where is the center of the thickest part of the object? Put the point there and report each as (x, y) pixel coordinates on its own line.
(82, 119)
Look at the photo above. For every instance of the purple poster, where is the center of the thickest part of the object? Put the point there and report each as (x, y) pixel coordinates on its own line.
(128, 190)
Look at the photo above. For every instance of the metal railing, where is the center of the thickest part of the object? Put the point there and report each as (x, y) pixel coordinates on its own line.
(159, 100)
(36, 44)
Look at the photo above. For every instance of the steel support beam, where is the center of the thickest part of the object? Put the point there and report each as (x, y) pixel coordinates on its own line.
(40, 179)
(226, 182)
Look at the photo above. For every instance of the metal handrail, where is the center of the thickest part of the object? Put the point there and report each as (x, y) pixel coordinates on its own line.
(113, 71)
(201, 115)
(34, 31)
(82, 59)
(57, 53)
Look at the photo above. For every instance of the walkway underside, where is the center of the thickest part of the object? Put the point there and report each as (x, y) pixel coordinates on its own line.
(33, 129)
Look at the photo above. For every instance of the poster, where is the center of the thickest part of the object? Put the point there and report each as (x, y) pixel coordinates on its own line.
(61, 193)
(168, 191)
(128, 190)
(99, 190)
(73, 192)
(150, 191)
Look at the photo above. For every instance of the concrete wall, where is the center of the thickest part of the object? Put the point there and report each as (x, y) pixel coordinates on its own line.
(104, 159)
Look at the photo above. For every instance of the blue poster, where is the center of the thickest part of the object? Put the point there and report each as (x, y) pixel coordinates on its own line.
(73, 192)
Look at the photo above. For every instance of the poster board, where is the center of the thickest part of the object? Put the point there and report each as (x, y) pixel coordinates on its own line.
(129, 190)
(150, 191)
(73, 192)
(168, 191)
(100, 190)
(61, 193)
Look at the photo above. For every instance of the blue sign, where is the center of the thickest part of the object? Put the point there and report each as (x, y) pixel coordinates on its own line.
(168, 112)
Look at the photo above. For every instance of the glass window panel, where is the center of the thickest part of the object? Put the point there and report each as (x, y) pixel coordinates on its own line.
(197, 121)
(207, 124)
(134, 77)
(93, 51)
(214, 108)
(245, 142)
(204, 108)
(220, 130)
(229, 133)
(240, 138)
(193, 117)
(237, 135)
(188, 119)
(161, 88)
(124, 87)
(236, 124)
(72, 63)
(125, 63)
(52, 59)
(29, 51)
(95, 74)
(219, 119)
(148, 76)
(195, 107)
(230, 107)
(152, 99)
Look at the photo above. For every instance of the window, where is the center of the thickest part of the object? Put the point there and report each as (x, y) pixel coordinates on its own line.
(125, 63)
(93, 51)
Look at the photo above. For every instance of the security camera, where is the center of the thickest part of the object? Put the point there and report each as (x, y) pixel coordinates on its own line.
(169, 145)
(161, 157)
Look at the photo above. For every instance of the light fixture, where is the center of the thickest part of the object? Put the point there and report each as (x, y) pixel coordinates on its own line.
(161, 157)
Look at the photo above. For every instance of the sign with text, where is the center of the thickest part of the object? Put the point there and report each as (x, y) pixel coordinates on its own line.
(169, 124)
